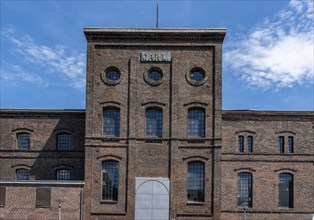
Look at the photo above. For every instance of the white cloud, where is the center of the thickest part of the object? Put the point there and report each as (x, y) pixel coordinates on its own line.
(279, 52)
(56, 59)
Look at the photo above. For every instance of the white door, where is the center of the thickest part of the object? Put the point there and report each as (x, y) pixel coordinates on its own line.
(152, 199)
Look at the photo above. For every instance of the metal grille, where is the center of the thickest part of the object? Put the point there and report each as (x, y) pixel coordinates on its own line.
(196, 122)
(245, 189)
(63, 174)
(22, 174)
(197, 76)
(154, 122)
(286, 190)
(241, 144)
(249, 144)
(196, 181)
(110, 181)
(290, 144)
(281, 144)
(112, 122)
(24, 140)
(63, 141)
(155, 75)
(113, 75)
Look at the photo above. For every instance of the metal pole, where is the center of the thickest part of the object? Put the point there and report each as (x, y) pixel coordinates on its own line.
(244, 212)
(59, 218)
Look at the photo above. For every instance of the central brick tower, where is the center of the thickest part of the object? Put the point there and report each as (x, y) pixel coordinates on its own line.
(153, 123)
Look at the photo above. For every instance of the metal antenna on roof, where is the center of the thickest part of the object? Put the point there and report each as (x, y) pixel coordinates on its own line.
(157, 17)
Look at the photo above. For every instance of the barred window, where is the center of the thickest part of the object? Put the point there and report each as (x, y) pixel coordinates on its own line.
(154, 122)
(63, 141)
(24, 141)
(112, 121)
(110, 180)
(196, 122)
(196, 182)
(290, 144)
(286, 190)
(249, 144)
(63, 174)
(241, 144)
(281, 144)
(22, 174)
(245, 189)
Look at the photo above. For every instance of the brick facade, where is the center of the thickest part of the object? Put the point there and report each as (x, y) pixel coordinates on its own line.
(166, 158)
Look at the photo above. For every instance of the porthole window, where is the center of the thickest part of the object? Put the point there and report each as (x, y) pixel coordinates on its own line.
(153, 76)
(111, 76)
(196, 76)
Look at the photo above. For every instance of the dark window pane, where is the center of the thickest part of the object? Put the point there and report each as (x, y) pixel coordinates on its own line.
(2, 196)
(155, 75)
(281, 144)
(196, 122)
(154, 122)
(290, 144)
(24, 141)
(196, 182)
(286, 190)
(63, 174)
(241, 144)
(43, 197)
(113, 75)
(110, 182)
(112, 122)
(245, 189)
(250, 144)
(197, 76)
(63, 141)
(22, 174)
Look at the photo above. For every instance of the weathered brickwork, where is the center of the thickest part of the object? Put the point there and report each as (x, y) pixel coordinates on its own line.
(153, 161)
(266, 163)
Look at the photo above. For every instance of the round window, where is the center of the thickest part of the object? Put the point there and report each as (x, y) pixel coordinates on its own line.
(154, 76)
(196, 77)
(111, 76)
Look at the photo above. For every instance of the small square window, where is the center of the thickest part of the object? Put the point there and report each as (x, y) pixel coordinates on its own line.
(23, 141)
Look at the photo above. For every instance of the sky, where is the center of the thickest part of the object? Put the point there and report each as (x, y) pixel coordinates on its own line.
(268, 51)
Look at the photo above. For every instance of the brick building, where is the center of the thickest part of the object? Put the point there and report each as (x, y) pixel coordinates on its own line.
(154, 142)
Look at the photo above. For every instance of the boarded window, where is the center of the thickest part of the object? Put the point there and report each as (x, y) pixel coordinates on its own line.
(2, 196)
(43, 196)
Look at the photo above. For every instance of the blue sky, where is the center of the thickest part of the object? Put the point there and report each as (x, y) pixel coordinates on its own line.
(267, 53)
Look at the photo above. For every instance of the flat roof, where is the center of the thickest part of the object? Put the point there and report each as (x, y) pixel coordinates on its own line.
(157, 30)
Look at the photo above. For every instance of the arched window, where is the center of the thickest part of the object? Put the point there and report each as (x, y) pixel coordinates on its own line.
(154, 122)
(63, 174)
(111, 121)
(63, 141)
(110, 180)
(245, 189)
(195, 181)
(23, 141)
(196, 122)
(286, 190)
(22, 174)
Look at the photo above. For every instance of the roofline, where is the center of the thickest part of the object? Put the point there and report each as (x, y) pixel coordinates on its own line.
(156, 30)
(42, 182)
(267, 112)
(26, 110)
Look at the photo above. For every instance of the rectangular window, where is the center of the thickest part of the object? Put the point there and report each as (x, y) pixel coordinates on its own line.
(2, 196)
(196, 182)
(43, 197)
(22, 174)
(23, 141)
(241, 144)
(245, 189)
(249, 144)
(112, 122)
(290, 145)
(63, 141)
(196, 122)
(110, 181)
(154, 122)
(63, 174)
(281, 144)
(286, 190)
